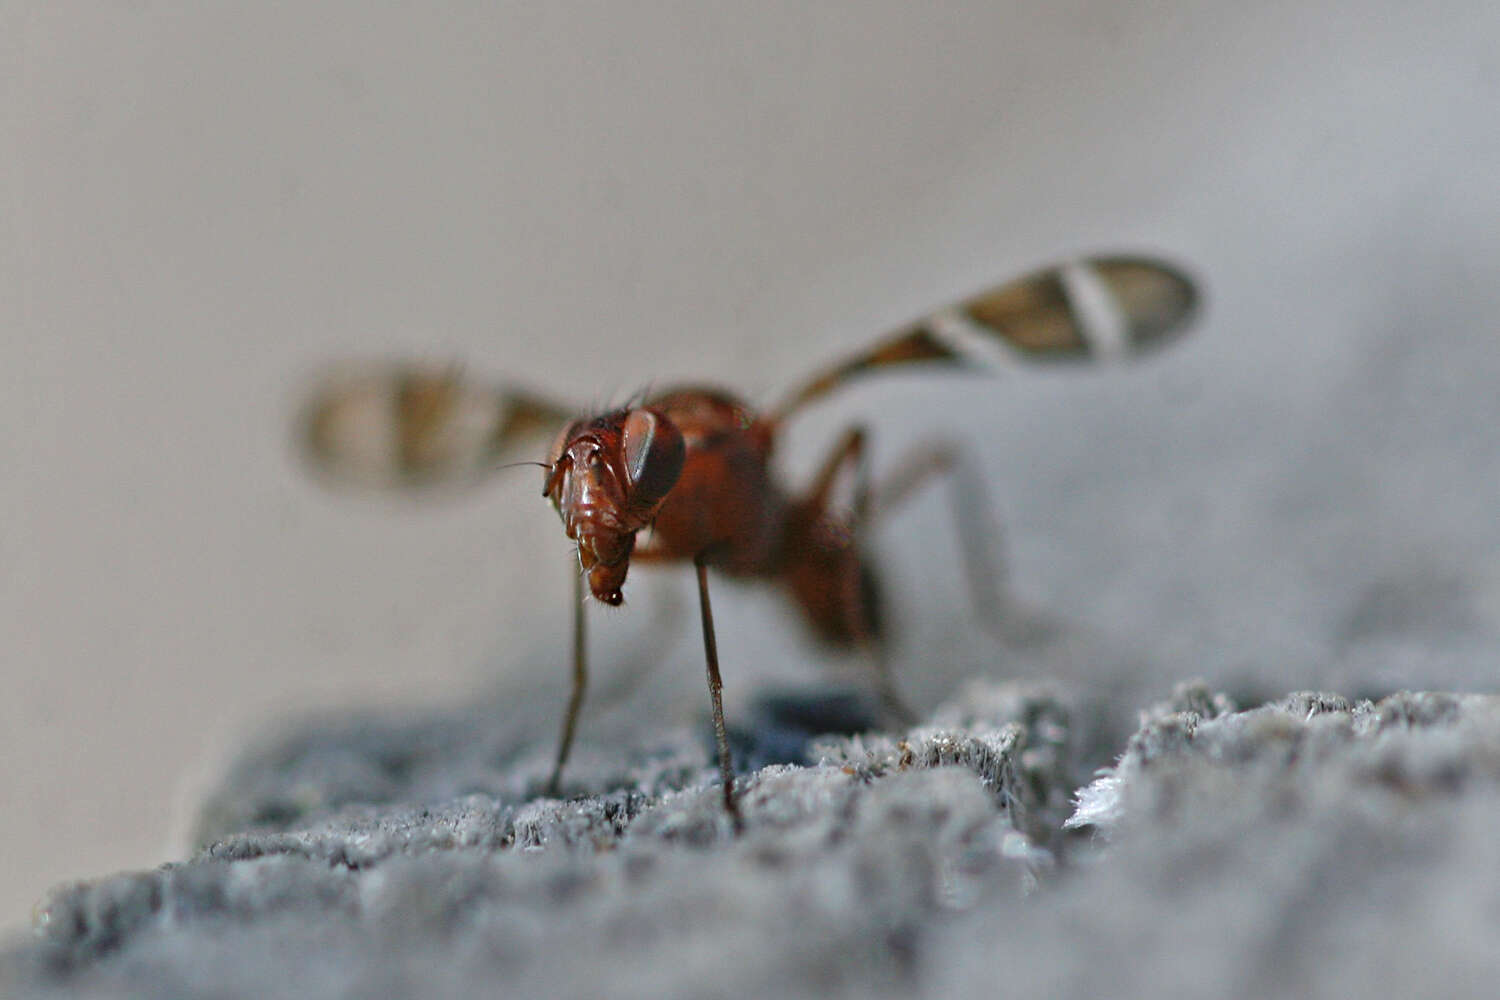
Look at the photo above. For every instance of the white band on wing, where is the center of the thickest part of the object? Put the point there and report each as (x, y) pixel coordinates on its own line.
(1096, 312)
(975, 344)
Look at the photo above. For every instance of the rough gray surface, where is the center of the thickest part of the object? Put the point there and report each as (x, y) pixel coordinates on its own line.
(1313, 846)
(205, 202)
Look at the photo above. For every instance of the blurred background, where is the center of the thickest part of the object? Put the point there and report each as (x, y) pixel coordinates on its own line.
(202, 207)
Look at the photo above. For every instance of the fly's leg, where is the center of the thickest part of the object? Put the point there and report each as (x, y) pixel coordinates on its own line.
(580, 681)
(715, 689)
(852, 448)
(979, 535)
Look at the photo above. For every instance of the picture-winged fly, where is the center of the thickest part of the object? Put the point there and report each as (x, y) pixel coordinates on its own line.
(685, 475)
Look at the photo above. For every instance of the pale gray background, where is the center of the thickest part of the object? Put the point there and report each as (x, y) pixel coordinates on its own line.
(201, 205)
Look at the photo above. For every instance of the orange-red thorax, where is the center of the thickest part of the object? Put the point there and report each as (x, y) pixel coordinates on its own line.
(725, 505)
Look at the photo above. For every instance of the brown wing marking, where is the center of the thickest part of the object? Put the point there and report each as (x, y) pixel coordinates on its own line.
(1095, 308)
(401, 425)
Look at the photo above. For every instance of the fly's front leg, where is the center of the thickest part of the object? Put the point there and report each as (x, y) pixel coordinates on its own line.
(650, 551)
(715, 689)
(580, 681)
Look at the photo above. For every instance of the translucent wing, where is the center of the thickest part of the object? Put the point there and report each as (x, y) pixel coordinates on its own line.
(401, 425)
(1096, 308)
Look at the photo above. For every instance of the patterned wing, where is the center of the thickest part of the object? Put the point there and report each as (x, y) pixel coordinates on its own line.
(409, 426)
(1094, 309)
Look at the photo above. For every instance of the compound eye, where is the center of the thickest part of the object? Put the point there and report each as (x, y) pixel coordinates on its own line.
(654, 452)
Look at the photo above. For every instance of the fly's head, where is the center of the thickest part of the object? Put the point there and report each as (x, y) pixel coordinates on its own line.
(607, 477)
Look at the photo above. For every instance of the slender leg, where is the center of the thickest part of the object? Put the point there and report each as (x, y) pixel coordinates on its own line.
(869, 644)
(979, 540)
(896, 708)
(715, 688)
(580, 680)
(852, 448)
